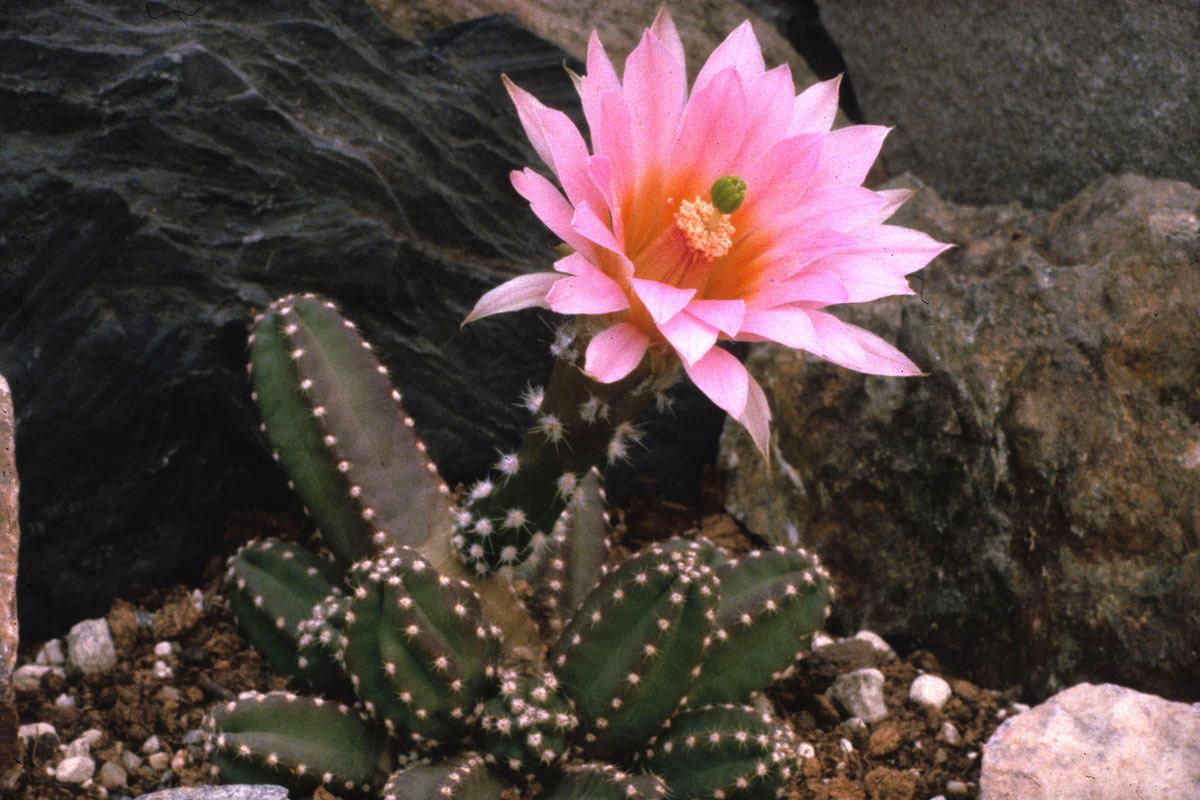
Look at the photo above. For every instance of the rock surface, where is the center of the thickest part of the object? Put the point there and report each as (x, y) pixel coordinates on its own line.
(1030, 509)
(235, 792)
(10, 538)
(168, 175)
(1100, 742)
(1019, 100)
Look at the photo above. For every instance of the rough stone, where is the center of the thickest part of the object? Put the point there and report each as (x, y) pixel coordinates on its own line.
(90, 647)
(164, 185)
(28, 677)
(10, 537)
(75, 769)
(1018, 100)
(111, 775)
(1102, 742)
(929, 691)
(861, 693)
(233, 792)
(1029, 510)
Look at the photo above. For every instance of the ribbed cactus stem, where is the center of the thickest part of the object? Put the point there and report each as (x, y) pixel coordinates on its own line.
(577, 423)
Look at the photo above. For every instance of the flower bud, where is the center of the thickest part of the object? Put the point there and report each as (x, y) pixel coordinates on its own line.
(728, 193)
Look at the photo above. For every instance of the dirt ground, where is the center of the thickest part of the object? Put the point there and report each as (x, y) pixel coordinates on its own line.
(905, 757)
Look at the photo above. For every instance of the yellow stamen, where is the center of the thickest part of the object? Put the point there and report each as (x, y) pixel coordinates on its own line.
(707, 230)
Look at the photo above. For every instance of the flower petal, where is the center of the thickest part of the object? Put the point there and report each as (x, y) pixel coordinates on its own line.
(814, 109)
(587, 291)
(740, 50)
(812, 285)
(664, 28)
(756, 417)
(614, 353)
(723, 379)
(712, 129)
(523, 291)
(655, 89)
(789, 326)
(600, 78)
(661, 300)
(548, 203)
(725, 315)
(854, 348)
(767, 100)
(690, 336)
(848, 154)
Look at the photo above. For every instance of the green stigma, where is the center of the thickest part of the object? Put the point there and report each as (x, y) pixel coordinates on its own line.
(728, 193)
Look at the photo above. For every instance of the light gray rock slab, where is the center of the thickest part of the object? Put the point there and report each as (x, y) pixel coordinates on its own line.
(1028, 101)
(231, 792)
(1101, 742)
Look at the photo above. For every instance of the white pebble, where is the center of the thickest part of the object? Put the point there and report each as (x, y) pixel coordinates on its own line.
(1019, 708)
(821, 639)
(130, 760)
(179, 761)
(162, 671)
(51, 653)
(29, 677)
(938, 797)
(856, 725)
(806, 750)
(956, 787)
(845, 746)
(34, 730)
(64, 700)
(950, 733)
(929, 691)
(151, 745)
(162, 649)
(90, 647)
(861, 693)
(75, 769)
(159, 761)
(876, 641)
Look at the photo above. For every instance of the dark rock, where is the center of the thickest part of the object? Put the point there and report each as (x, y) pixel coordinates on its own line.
(167, 173)
(1030, 510)
(1026, 101)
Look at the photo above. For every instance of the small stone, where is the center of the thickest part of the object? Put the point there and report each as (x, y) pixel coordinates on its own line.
(179, 761)
(956, 787)
(861, 693)
(806, 750)
(846, 746)
(1019, 708)
(90, 647)
(162, 649)
(159, 761)
(886, 739)
(822, 639)
(29, 677)
(940, 756)
(34, 730)
(130, 760)
(950, 733)
(929, 691)
(112, 775)
(876, 641)
(51, 654)
(75, 769)
(64, 700)
(938, 797)
(151, 745)
(855, 725)
(162, 671)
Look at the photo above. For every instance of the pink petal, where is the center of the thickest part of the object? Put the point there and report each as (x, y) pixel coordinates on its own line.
(587, 291)
(612, 137)
(779, 175)
(661, 300)
(713, 127)
(894, 199)
(814, 109)
(854, 348)
(600, 78)
(547, 202)
(848, 154)
(875, 264)
(789, 326)
(740, 50)
(664, 28)
(840, 208)
(586, 223)
(756, 417)
(601, 170)
(723, 379)
(614, 353)
(558, 143)
(813, 285)
(524, 291)
(690, 336)
(767, 99)
(725, 315)
(655, 89)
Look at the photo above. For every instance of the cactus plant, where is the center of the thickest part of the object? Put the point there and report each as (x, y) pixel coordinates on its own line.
(627, 658)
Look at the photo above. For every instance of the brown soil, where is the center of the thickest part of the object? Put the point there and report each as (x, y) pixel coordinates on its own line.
(904, 757)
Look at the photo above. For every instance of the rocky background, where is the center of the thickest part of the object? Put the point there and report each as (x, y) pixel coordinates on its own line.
(1030, 509)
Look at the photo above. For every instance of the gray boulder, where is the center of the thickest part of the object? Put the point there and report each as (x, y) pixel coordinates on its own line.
(1027, 101)
(1099, 742)
(1029, 509)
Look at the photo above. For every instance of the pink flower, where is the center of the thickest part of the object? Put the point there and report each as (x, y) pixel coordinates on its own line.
(730, 213)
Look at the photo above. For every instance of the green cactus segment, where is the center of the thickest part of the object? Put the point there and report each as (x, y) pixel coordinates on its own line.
(577, 424)
(416, 649)
(732, 752)
(526, 728)
(772, 602)
(336, 426)
(298, 742)
(464, 778)
(629, 655)
(596, 781)
(272, 588)
(567, 569)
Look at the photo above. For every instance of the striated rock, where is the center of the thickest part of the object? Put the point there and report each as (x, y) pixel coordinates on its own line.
(167, 176)
(1018, 100)
(1028, 510)
(1100, 742)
